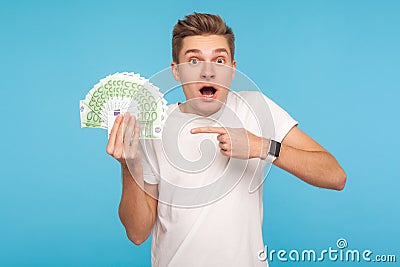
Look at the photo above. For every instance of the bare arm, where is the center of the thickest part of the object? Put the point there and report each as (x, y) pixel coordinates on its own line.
(137, 209)
(300, 154)
(305, 158)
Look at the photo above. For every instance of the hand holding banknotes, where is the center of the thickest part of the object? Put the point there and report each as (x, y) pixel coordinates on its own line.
(124, 139)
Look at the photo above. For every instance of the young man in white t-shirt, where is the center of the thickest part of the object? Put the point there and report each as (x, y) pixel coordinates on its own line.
(210, 214)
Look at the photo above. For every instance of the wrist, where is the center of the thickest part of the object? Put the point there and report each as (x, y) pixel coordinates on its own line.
(265, 143)
(132, 170)
(260, 148)
(124, 166)
(130, 164)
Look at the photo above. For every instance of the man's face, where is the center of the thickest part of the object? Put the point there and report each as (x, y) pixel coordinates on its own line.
(206, 70)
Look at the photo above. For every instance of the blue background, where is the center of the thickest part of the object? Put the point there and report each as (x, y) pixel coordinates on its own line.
(333, 65)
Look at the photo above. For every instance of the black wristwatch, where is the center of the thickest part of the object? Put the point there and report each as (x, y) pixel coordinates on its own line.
(273, 151)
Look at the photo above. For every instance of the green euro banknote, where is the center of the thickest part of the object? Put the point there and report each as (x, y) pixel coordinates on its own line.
(120, 93)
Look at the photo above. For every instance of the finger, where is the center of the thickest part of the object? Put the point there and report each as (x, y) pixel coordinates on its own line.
(127, 119)
(225, 153)
(223, 146)
(113, 134)
(223, 138)
(119, 138)
(136, 136)
(129, 130)
(134, 140)
(209, 129)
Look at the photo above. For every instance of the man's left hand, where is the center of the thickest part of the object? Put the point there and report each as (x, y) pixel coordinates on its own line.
(237, 142)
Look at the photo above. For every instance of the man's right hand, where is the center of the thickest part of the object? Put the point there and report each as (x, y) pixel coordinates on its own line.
(124, 140)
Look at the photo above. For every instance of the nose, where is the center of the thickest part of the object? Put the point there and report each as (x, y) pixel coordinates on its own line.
(207, 71)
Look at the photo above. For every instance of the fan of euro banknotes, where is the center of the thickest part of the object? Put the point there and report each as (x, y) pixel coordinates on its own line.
(120, 93)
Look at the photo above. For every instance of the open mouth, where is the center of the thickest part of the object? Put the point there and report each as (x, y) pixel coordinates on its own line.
(208, 91)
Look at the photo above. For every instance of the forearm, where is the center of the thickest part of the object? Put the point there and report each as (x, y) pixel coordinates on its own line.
(318, 168)
(134, 210)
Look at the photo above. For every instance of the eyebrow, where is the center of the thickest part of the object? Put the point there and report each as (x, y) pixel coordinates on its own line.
(198, 51)
(221, 50)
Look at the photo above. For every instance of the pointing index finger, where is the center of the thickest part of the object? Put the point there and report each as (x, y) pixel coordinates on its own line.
(209, 129)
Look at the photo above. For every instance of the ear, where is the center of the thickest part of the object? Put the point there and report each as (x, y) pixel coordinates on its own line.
(175, 71)
(233, 69)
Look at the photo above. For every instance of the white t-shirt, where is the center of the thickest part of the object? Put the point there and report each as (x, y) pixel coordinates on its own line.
(209, 213)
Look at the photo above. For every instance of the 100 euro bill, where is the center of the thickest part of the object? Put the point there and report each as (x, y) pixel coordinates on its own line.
(120, 93)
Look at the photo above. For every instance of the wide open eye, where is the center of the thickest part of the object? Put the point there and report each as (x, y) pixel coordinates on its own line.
(220, 61)
(194, 61)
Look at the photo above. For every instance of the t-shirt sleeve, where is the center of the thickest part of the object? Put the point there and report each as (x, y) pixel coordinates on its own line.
(149, 162)
(283, 122)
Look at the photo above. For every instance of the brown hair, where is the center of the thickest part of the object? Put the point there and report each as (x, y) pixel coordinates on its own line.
(200, 24)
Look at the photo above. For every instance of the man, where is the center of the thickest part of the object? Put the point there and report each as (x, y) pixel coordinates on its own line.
(220, 226)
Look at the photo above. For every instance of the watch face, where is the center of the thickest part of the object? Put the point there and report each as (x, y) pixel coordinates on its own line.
(274, 148)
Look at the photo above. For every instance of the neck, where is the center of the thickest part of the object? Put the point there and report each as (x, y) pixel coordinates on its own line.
(185, 108)
(203, 107)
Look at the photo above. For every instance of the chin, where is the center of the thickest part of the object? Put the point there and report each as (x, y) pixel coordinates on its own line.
(207, 107)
